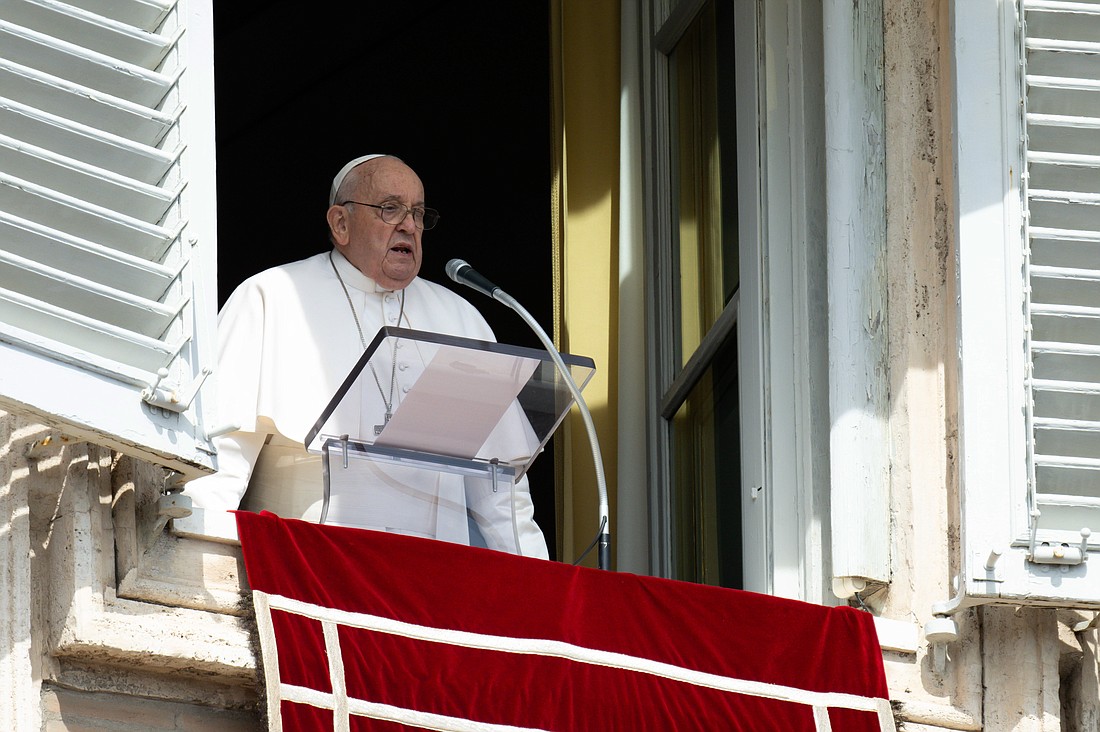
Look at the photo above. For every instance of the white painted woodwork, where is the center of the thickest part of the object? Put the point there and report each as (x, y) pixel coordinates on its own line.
(792, 317)
(757, 502)
(107, 219)
(1062, 123)
(1027, 118)
(855, 159)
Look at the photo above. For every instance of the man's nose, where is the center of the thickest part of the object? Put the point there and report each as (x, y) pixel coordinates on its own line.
(407, 223)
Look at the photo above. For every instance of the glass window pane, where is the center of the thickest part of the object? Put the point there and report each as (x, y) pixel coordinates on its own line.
(706, 477)
(704, 172)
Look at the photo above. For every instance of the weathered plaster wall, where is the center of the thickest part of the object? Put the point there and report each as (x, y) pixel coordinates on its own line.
(919, 232)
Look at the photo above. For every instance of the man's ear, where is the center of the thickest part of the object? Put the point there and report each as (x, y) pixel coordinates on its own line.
(337, 217)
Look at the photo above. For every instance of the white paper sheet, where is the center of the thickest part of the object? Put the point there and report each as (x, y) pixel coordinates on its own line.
(457, 402)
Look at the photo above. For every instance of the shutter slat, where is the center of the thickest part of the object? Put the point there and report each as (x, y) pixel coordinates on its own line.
(1041, 347)
(68, 215)
(1069, 291)
(1066, 273)
(72, 293)
(87, 182)
(1057, 233)
(85, 105)
(93, 32)
(1069, 501)
(109, 267)
(1063, 6)
(144, 14)
(1038, 83)
(83, 143)
(97, 71)
(1055, 196)
(1064, 311)
(1060, 328)
(1059, 46)
(1057, 423)
(1065, 362)
(1062, 521)
(1056, 158)
(1035, 119)
(110, 348)
(1072, 387)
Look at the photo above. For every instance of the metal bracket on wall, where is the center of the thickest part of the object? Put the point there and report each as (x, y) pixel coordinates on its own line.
(942, 628)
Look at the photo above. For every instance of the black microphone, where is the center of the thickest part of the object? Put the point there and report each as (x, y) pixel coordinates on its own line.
(462, 273)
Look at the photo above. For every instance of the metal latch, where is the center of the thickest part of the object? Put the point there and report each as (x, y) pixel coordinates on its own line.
(1048, 552)
(172, 399)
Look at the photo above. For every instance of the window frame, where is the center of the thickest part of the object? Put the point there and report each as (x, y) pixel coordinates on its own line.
(784, 432)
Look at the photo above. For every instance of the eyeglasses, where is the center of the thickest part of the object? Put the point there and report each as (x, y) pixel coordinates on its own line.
(394, 213)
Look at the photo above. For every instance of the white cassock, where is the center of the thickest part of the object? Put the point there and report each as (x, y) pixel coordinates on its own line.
(287, 341)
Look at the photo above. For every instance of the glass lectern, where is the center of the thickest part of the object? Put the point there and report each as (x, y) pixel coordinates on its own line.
(426, 423)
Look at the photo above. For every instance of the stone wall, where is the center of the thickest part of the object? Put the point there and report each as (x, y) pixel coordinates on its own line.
(106, 617)
(66, 710)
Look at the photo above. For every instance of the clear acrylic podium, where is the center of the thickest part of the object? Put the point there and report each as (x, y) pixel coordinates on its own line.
(467, 419)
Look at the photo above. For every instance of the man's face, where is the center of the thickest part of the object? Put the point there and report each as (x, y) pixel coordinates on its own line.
(387, 253)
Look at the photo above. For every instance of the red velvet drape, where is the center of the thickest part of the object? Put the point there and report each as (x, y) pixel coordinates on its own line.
(545, 645)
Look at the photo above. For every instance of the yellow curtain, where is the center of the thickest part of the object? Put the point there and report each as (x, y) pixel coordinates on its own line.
(586, 93)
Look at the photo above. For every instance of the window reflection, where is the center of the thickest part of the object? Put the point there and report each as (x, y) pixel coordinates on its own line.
(704, 185)
(706, 459)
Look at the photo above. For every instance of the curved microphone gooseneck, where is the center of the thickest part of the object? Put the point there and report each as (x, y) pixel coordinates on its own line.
(462, 273)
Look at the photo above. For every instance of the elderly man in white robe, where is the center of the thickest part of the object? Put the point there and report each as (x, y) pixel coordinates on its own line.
(289, 336)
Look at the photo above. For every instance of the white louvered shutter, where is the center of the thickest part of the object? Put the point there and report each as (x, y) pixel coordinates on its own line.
(1062, 196)
(107, 221)
(1029, 199)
